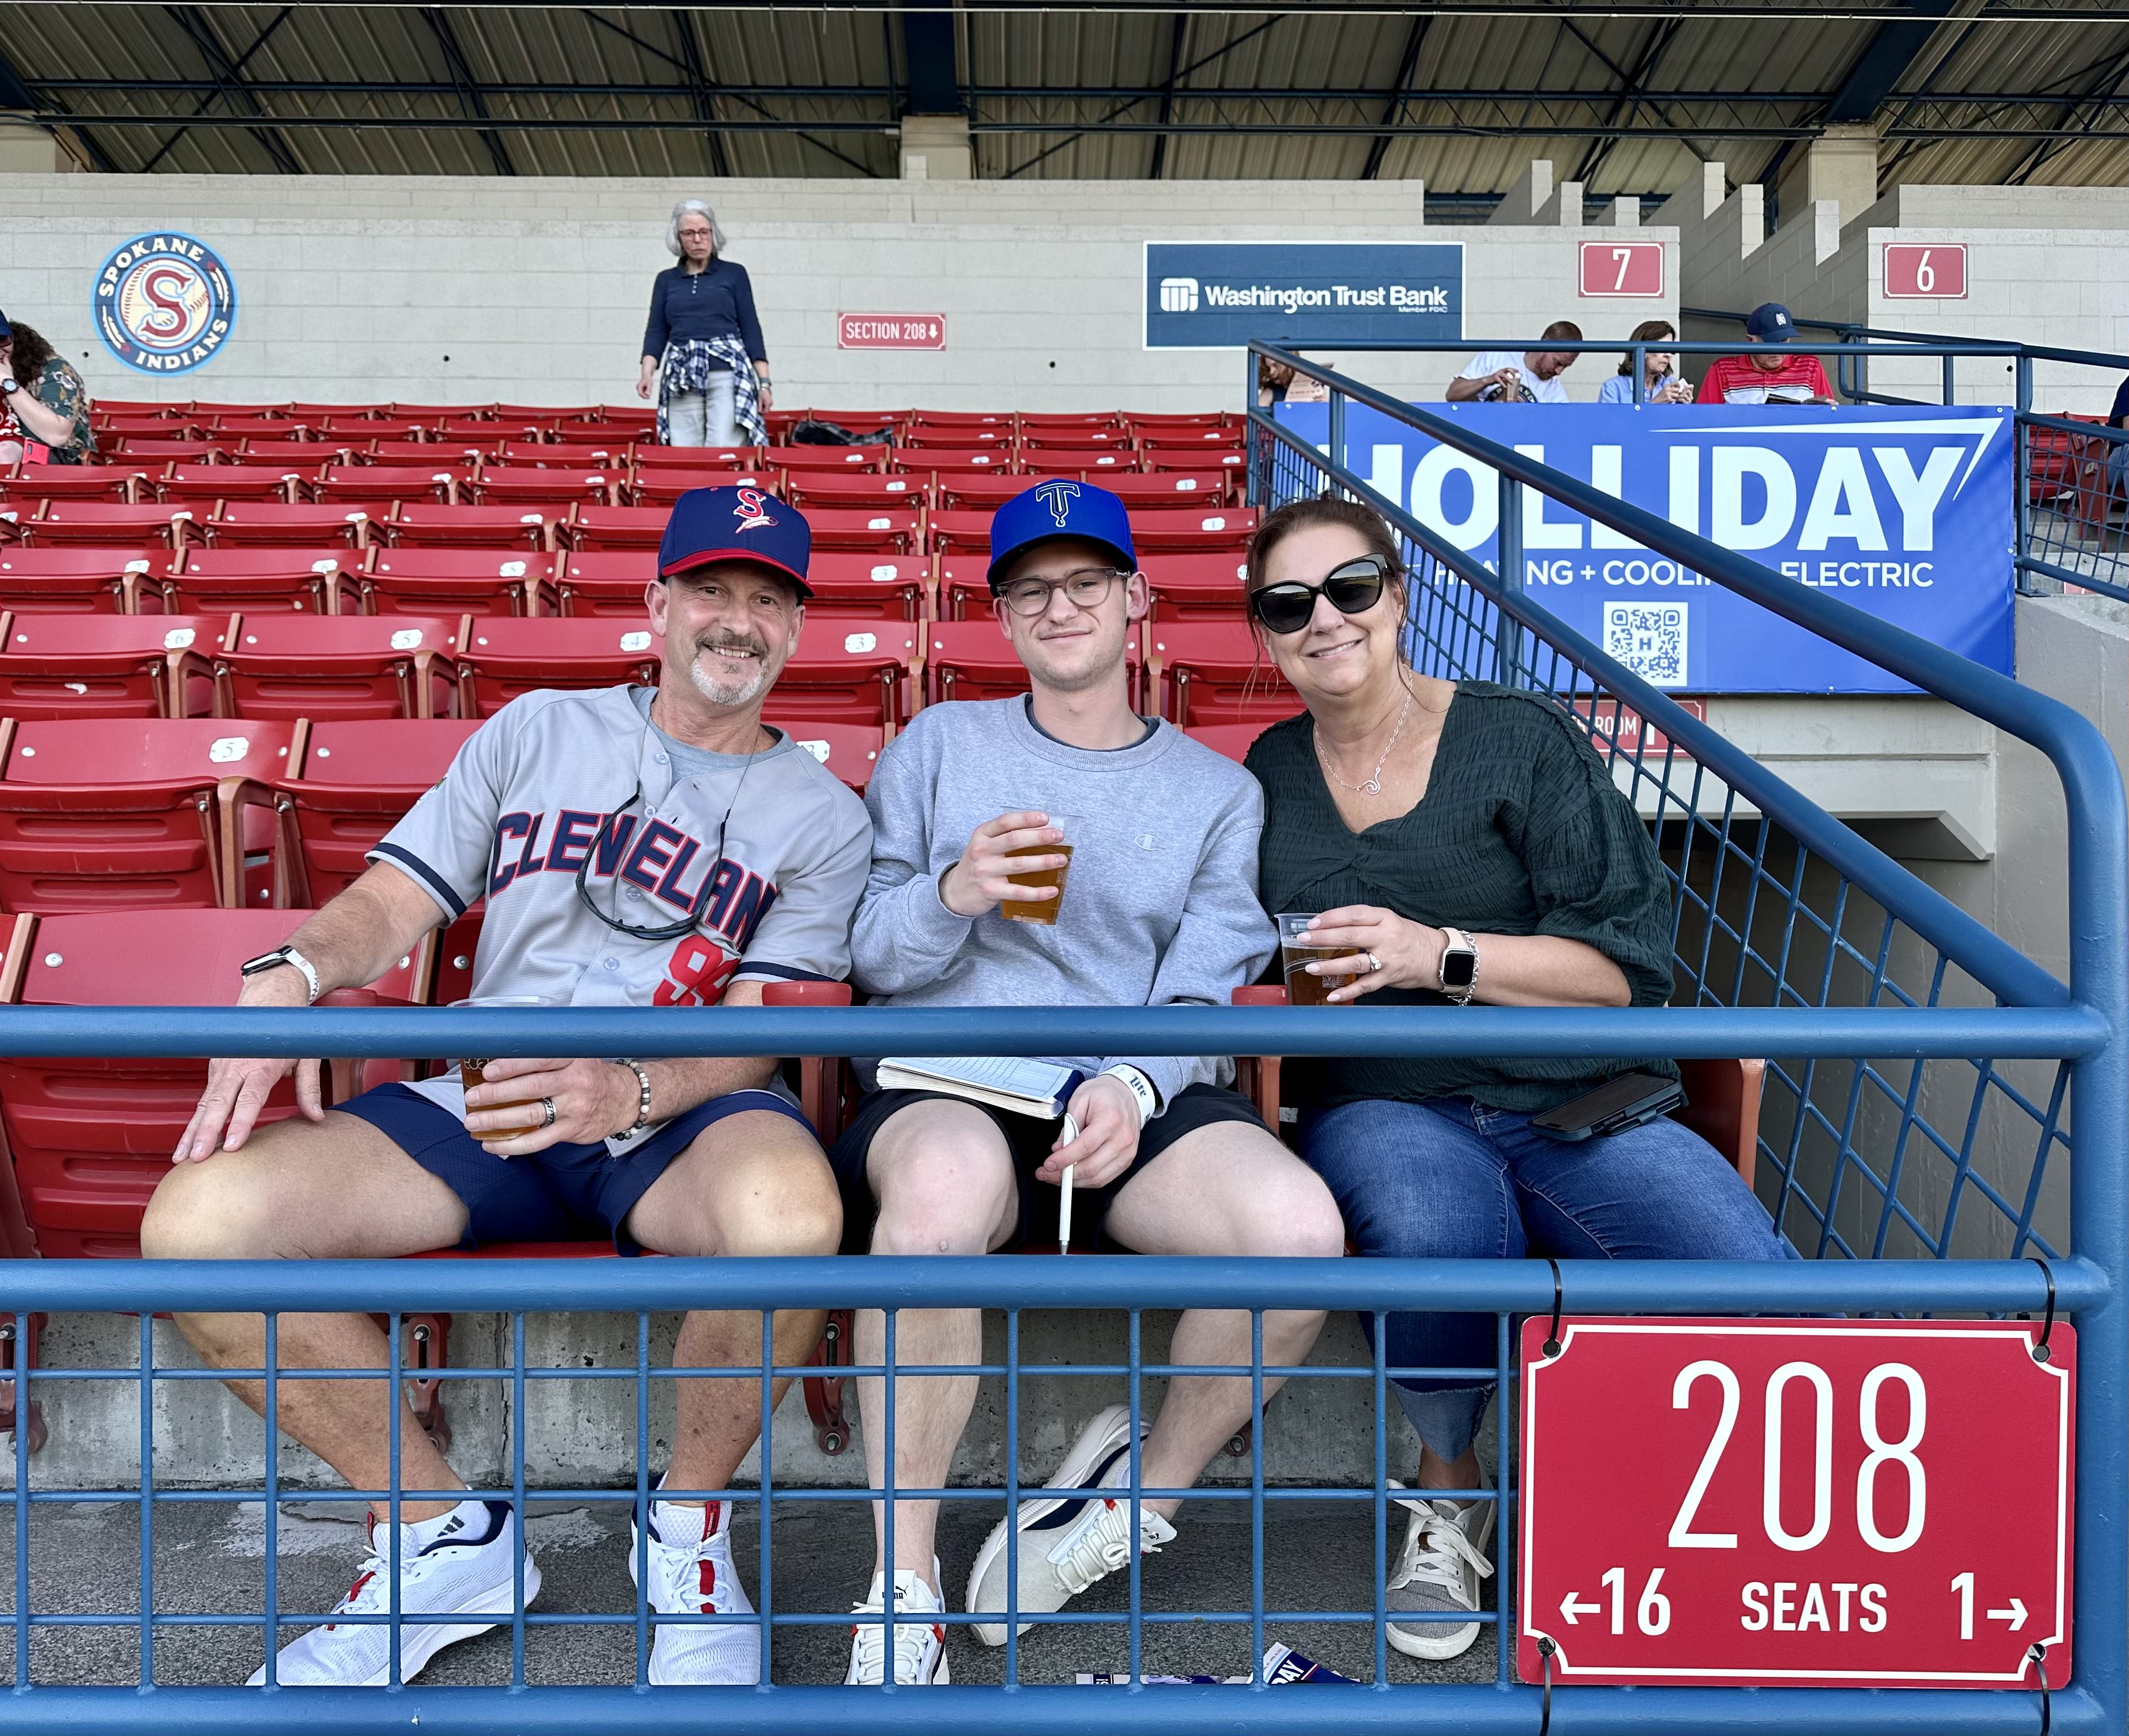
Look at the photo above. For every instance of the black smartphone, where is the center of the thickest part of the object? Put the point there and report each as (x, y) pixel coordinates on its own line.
(1613, 1107)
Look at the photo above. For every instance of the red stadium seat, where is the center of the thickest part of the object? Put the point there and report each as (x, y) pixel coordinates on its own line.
(1166, 437)
(1186, 457)
(362, 483)
(888, 586)
(306, 525)
(343, 787)
(977, 491)
(160, 450)
(254, 427)
(429, 415)
(526, 485)
(235, 481)
(660, 488)
(1211, 531)
(918, 419)
(1158, 489)
(1033, 424)
(964, 587)
(62, 522)
(119, 482)
(1089, 461)
(816, 458)
(1197, 587)
(304, 457)
(570, 454)
(1178, 422)
(107, 665)
(454, 582)
(967, 437)
(850, 750)
(253, 580)
(859, 490)
(73, 581)
(436, 454)
(882, 529)
(1233, 740)
(613, 527)
(147, 424)
(907, 459)
(603, 580)
(858, 421)
(962, 533)
(335, 667)
(857, 672)
(84, 1179)
(973, 660)
(665, 459)
(1077, 438)
(504, 657)
(98, 814)
(1216, 672)
(364, 429)
(424, 524)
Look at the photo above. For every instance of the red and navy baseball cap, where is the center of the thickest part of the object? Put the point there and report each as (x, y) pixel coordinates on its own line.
(1059, 507)
(736, 524)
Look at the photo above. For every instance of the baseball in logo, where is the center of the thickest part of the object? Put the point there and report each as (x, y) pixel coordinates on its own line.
(1058, 497)
(752, 510)
(165, 302)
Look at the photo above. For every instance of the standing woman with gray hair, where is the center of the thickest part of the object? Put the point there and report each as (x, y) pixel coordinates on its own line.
(703, 346)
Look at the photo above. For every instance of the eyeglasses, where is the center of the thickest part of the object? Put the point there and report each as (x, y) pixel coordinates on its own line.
(1354, 588)
(1087, 588)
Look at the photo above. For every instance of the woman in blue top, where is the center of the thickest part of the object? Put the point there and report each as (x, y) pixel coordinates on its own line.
(703, 345)
(1662, 383)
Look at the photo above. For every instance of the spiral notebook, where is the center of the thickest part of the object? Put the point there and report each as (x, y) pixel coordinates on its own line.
(1037, 1088)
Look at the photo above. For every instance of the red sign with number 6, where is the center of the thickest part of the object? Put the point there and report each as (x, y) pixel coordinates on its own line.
(1622, 268)
(1796, 1503)
(1936, 272)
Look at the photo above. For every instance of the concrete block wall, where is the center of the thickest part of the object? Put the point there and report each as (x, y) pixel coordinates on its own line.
(360, 288)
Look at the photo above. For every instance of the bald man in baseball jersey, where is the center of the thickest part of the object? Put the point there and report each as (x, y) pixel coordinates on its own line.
(633, 848)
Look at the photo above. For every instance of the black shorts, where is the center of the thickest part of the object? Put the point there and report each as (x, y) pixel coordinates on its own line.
(566, 1193)
(1030, 1141)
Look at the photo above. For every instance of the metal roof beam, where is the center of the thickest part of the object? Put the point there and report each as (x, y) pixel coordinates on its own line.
(1400, 90)
(1179, 32)
(469, 87)
(228, 76)
(2109, 79)
(15, 94)
(1630, 94)
(706, 105)
(1886, 57)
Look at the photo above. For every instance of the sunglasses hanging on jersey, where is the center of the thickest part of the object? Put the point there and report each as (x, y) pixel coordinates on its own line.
(667, 930)
(1353, 588)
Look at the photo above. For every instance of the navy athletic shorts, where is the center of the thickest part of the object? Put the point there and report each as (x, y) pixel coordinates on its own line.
(566, 1193)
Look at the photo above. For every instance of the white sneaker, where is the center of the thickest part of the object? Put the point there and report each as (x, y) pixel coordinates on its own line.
(1068, 1542)
(920, 1646)
(1438, 1570)
(457, 1570)
(694, 1575)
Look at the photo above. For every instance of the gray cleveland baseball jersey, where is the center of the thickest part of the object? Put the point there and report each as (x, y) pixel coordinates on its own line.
(768, 851)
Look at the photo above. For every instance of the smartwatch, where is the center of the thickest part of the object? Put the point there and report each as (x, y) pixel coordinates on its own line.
(1457, 970)
(281, 955)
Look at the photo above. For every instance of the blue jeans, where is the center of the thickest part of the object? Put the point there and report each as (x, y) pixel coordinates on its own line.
(1449, 1179)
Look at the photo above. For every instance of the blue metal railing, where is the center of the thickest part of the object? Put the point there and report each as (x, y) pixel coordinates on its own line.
(1917, 1138)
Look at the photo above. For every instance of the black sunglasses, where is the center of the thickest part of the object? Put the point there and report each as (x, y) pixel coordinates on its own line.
(1354, 588)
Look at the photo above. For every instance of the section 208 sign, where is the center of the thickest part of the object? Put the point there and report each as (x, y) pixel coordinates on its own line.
(165, 302)
(1219, 295)
(1905, 513)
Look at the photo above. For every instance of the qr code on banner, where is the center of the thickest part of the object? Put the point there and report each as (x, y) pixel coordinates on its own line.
(1650, 639)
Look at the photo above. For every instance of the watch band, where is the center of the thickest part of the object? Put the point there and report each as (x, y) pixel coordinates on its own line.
(1459, 941)
(642, 1099)
(289, 956)
(1144, 1096)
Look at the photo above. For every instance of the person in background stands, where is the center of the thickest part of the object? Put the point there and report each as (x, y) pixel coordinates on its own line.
(1502, 376)
(2117, 456)
(703, 346)
(1277, 383)
(1772, 373)
(1661, 381)
(46, 404)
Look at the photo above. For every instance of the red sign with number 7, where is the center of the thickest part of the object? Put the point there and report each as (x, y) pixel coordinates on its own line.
(1623, 268)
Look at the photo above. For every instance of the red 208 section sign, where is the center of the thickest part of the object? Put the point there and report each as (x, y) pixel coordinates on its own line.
(1832, 1503)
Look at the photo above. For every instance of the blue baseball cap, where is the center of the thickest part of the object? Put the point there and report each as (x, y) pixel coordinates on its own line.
(1059, 507)
(736, 524)
(1770, 323)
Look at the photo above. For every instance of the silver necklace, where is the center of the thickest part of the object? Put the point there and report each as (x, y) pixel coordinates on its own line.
(1374, 785)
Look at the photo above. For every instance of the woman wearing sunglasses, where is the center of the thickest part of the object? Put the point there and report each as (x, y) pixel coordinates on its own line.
(1465, 846)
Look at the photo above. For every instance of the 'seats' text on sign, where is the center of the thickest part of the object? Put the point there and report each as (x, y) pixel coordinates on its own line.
(1796, 1503)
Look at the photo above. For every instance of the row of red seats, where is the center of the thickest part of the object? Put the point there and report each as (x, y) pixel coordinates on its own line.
(381, 580)
(849, 669)
(482, 482)
(300, 421)
(581, 524)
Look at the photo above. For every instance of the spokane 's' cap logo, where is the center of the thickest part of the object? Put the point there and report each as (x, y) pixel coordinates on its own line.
(752, 510)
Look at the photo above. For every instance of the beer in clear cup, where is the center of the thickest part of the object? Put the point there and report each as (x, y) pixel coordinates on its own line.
(472, 1069)
(1303, 988)
(1043, 911)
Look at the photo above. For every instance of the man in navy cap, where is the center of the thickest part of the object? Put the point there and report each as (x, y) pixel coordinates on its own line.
(1157, 907)
(1771, 372)
(633, 847)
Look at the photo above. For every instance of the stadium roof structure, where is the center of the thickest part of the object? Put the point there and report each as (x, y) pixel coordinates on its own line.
(1624, 98)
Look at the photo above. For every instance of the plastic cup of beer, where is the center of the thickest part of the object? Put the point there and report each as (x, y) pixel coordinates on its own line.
(1303, 988)
(471, 1069)
(1043, 911)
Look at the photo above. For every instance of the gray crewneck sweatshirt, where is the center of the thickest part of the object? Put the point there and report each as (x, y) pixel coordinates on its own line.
(1159, 906)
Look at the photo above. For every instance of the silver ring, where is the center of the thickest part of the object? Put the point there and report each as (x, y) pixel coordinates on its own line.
(1374, 962)
(548, 1104)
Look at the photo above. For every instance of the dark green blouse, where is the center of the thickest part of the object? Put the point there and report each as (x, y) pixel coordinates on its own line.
(1521, 832)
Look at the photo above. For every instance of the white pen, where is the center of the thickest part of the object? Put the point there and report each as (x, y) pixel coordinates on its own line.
(1064, 1195)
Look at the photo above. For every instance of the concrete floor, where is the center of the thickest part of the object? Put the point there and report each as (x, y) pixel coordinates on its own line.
(209, 1559)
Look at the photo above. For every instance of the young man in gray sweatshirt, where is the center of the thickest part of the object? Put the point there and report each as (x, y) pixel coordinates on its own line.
(1158, 909)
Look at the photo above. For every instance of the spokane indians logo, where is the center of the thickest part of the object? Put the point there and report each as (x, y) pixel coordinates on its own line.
(165, 302)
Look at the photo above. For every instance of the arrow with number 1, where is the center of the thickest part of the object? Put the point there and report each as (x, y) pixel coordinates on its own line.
(2015, 1615)
(1574, 1608)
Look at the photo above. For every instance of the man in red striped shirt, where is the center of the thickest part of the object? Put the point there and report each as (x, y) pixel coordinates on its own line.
(1772, 373)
